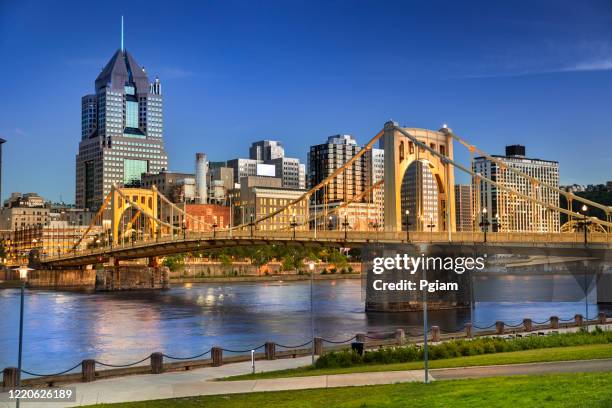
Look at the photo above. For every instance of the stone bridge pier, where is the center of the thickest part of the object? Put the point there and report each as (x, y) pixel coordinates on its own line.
(131, 277)
(110, 277)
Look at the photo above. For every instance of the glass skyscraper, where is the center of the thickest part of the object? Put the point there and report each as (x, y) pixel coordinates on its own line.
(122, 131)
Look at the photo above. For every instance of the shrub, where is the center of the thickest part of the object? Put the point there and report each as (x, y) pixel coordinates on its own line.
(457, 348)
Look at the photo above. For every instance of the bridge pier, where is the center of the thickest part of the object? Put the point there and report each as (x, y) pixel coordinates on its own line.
(131, 277)
(604, 288)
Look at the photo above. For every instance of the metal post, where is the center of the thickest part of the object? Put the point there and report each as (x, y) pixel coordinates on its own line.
(315, 212)
(425, 330)
(312, 326)
(586, 298)
(253, 361)
(19, 354)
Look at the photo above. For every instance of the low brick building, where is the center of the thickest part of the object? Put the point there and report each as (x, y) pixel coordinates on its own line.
(207, 215)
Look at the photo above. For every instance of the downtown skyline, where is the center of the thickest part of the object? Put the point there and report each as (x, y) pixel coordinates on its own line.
(270, 87)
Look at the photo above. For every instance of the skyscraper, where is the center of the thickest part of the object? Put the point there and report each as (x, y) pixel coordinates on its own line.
(324, 159)
(463, 208)
(509, 212)
(122, 130)
(266, 150)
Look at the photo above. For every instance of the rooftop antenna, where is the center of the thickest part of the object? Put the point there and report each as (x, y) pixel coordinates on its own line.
(122, 33)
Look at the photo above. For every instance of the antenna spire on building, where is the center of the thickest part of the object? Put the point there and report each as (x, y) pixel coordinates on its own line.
(122, 33)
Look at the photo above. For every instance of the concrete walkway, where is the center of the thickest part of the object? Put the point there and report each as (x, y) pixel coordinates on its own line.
(198, 382)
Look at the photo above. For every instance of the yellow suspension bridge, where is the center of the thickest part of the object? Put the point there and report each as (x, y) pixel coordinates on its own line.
(136, 223)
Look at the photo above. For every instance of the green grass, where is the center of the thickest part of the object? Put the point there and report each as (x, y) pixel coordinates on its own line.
(586, 352)
(590, 390)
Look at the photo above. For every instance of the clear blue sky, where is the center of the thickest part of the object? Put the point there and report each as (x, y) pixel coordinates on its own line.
(532, 72)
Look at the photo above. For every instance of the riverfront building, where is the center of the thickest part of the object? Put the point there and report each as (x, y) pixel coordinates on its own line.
(122, 131)
(508, 212)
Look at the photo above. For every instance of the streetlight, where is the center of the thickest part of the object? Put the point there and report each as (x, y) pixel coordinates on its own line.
(431, 226)
(345, 225)
(584, 223)
(311, 266)
(23, 276)
(330, 224)
(214, 226)
(293, 224)
(407, 225)
(484, 223)
(184, 228)
(425, 330)
(496, 223)
(252, 224)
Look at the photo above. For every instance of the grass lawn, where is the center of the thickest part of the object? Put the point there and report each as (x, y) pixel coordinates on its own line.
(590, 390)
(586, 352)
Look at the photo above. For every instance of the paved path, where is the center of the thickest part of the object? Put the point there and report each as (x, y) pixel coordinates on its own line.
(580, 366)
(198, 382)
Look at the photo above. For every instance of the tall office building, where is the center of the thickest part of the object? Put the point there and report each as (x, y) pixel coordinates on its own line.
(267, 158)
(265, 150)
(508, 212)
(290, 171)
(463, 208)
(375, 172)
(122, 131)
(243, 168)
(324, 159)
(419, 195)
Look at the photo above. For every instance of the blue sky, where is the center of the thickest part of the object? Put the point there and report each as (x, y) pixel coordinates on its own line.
(532, 72)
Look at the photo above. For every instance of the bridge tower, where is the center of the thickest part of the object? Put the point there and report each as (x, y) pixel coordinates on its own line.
(142, 202)
(400, 153)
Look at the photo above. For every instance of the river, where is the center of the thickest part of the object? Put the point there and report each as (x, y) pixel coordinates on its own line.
(63, 328)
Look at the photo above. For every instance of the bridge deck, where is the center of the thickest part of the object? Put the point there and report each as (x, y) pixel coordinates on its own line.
(565, 244)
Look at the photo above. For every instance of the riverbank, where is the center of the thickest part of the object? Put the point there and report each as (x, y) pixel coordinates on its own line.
(262, 278)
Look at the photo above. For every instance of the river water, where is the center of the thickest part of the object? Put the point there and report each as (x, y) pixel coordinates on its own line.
(63, 328)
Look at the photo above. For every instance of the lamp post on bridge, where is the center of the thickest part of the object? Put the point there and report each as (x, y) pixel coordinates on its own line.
(407, 222)
(214, 226)
(484, 223)
(345, 225)
(293, 224)
(584, 223)
(431, 226)
(496, 223)
(251, 225)
(184, 228)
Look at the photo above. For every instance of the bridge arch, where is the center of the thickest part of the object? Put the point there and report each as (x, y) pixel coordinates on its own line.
(400, 153)
(137, 203)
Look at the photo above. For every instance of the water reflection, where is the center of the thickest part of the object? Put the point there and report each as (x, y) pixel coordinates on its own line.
(63, 328)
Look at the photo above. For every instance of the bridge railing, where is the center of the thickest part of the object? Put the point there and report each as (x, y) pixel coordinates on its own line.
(340, 236)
